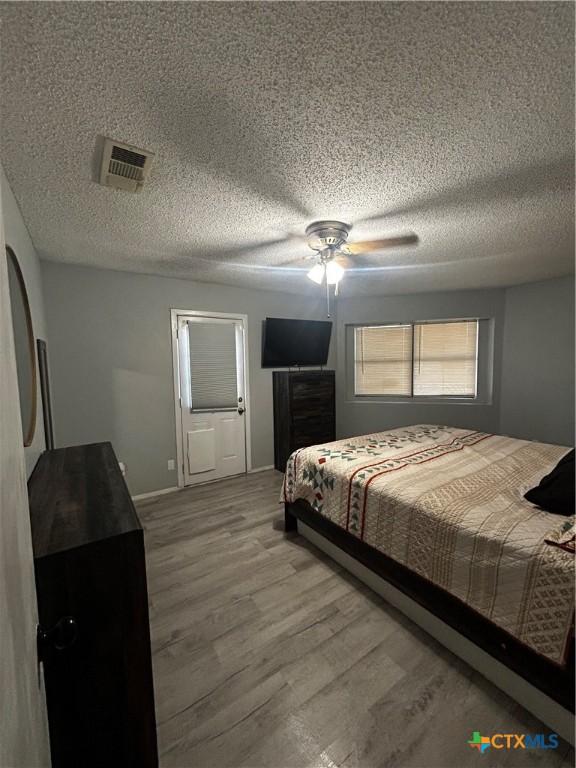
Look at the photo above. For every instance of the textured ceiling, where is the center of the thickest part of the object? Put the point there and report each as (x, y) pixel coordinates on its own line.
(451, 120)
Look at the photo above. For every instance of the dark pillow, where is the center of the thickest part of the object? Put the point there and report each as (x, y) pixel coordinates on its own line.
(555, 493)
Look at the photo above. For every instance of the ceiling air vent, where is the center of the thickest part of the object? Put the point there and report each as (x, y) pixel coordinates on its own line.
(124, 166)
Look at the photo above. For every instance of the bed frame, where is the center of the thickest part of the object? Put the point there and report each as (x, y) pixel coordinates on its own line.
(544, 688)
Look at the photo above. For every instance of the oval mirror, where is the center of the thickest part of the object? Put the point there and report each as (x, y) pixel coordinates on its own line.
(24, 346)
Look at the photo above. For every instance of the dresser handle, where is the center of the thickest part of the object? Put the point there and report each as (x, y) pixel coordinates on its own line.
(60, 637)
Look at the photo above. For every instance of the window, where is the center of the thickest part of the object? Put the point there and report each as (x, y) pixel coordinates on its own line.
(383, 360)
(445, 357)
(417, 360)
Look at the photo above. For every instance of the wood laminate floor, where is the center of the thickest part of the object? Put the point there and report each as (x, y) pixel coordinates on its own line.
(267, 654)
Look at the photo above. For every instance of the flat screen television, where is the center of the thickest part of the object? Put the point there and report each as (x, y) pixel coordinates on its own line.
(287, 343)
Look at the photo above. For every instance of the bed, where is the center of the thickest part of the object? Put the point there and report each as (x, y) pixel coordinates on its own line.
(439, 513)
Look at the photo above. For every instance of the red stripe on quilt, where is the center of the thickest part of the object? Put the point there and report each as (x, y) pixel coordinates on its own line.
(293, 458)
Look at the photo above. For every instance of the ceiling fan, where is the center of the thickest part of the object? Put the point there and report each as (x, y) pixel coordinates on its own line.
(334, 254)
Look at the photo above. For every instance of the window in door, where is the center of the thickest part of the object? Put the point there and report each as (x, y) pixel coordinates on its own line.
(213, 365)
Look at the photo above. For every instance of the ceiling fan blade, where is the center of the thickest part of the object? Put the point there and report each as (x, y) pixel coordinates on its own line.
(345, 260)
(287, 263)
(365, 246)
(239, 253)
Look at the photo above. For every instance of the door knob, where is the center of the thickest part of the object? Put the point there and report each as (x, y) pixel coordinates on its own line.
(61, 636)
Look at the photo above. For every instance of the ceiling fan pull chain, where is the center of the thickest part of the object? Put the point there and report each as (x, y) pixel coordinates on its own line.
(327, 298)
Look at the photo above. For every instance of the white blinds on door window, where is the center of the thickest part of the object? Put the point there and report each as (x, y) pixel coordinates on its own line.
(383, 360)
(213, 373)
(445, 358)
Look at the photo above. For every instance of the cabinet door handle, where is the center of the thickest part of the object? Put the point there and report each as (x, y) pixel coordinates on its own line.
(60, 637)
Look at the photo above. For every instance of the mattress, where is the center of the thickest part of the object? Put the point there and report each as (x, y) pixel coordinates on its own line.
(448, 504)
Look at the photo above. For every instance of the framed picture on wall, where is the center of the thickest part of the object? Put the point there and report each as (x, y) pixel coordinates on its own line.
(45, 391)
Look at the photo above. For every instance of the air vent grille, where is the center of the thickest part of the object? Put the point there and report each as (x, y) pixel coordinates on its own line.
(126, 170)
(124, 166)
(128, 156)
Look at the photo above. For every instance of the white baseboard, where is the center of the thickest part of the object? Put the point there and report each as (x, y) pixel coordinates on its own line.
(259, 469)
(162, 491)
(539, 704)
(151, 495)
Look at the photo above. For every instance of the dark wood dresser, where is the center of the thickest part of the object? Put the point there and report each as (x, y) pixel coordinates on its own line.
(93, 608)
(304, 411)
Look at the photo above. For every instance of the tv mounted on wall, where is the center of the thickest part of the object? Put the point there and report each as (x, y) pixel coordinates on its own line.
(288, 343)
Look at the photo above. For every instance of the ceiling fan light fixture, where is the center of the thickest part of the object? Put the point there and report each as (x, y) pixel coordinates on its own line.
(316, 274)
(334, 273)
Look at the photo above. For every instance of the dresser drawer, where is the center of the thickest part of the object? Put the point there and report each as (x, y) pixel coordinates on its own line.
(312, 432)
(323, 410)
(313, 389)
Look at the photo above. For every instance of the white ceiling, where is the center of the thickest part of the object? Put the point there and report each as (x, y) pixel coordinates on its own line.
(450, 120)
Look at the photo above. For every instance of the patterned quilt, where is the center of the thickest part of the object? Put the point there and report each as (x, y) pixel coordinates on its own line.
(448, 504)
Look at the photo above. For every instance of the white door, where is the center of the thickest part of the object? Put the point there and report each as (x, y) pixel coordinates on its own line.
(212, 397)
(23, 723)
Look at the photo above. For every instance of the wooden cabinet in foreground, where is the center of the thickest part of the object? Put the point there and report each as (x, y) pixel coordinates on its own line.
(93, 610)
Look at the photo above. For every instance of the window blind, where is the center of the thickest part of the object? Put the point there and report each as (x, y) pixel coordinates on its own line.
(213, 377)
(445, 358)
(383, 360)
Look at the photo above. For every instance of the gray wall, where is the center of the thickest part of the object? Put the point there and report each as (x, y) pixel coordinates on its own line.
(111, 361)
(112, 367)
(17, 237)
(538, 362)
(359, 417)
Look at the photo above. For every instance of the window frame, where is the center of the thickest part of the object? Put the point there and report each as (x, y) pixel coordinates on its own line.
(384, 325)
(484, 364)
